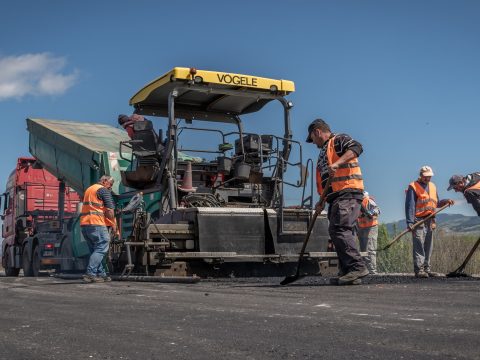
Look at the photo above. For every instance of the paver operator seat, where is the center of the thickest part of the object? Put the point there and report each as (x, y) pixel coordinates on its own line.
(147, 149)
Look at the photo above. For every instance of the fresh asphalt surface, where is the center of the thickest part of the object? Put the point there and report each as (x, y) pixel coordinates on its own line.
(388, 317)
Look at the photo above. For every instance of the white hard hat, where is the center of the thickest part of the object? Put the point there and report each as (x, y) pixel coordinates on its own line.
(426, 171)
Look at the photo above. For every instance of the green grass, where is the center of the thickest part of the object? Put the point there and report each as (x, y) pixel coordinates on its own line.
(449, 252)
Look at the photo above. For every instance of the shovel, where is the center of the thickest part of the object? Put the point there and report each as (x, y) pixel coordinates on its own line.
(459, 272)
(418, 223)
(291, 278)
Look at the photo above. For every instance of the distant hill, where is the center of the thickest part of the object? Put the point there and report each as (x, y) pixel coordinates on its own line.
(447, 222)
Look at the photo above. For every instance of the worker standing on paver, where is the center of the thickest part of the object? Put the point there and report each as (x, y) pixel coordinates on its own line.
(367, 231)
(98, 213)
(470, 187)
(338, 160)
(421, 201)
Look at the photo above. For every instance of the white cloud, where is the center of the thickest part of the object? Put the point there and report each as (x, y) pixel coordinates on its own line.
(34, 74)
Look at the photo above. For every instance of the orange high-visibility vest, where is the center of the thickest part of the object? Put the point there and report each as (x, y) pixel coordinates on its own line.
(93, 209)
(348, 175)
(365, 221)
(473, 187)
(426, 201)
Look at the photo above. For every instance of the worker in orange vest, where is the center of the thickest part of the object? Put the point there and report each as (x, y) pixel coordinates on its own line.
(421, 201)
(367, 231)
(96, 217)
(338, 160)
(469, 185)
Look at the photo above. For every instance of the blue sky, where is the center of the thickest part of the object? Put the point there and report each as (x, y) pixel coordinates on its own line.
(402, 77)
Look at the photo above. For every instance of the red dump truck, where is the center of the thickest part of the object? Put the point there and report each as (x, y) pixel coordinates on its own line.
(30, 204)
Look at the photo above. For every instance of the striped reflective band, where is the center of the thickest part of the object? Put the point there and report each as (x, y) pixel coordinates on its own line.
(348, 165)
(344, 178)
(92, 203)
(93, 213)
(425, 208)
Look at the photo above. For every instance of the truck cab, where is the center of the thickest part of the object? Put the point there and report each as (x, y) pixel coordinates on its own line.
(30, 204)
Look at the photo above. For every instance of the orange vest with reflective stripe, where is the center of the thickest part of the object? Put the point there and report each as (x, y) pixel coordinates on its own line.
(473, 187)
(347, 176)
(365, 221)
(93, 210)
(426, 201)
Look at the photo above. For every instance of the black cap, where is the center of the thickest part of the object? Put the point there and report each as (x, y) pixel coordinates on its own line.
(315, 124)
(122, 119)
(454, 180)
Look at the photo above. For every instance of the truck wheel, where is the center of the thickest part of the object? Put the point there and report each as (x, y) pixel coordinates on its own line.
(66, 257)
(9, 271)
(36, 262)
(27, 264)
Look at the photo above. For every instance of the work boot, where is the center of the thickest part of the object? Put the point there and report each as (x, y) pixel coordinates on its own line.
(350, 277)
(88, 278)
(106, 278)
(421, 274)
(334, 281)
(433, 274)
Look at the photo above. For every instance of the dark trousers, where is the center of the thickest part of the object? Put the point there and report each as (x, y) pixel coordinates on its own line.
(342, 216)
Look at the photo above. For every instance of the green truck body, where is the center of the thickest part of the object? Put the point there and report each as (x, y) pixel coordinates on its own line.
(79, 153)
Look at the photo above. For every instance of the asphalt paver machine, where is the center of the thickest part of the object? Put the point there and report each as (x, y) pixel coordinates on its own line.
(221, 187)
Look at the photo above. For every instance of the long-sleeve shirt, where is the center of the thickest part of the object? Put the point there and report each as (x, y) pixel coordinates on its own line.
(106, 196)
(473, 196)
(410, 201)
(341, 143)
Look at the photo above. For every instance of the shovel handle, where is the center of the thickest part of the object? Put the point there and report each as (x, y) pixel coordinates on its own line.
(418, 223)
(323, 198)
(467, 259)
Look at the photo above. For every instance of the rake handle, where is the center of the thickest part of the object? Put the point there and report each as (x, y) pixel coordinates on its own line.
(418, 223)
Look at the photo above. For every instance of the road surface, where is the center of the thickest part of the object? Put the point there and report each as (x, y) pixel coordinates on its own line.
(388, 317)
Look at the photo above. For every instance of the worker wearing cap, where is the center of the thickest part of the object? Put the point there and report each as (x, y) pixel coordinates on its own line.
(421, 201)
(96, 216)
(367, 231)
(338, 159)
(469, 185)
(127, 122)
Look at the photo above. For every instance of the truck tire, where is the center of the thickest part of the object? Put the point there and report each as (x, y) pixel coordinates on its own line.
(36, 262)
(66, 257)
(26, 263)
(9, 271)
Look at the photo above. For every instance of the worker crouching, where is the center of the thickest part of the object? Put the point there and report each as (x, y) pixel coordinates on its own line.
(367, 231)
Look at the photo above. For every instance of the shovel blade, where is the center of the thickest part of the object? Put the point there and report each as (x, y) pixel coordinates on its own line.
(291, 278)
(457, 274)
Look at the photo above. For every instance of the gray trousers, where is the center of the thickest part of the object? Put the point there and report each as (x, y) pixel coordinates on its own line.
(422, 246)
(342, 217)
(368, 242)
